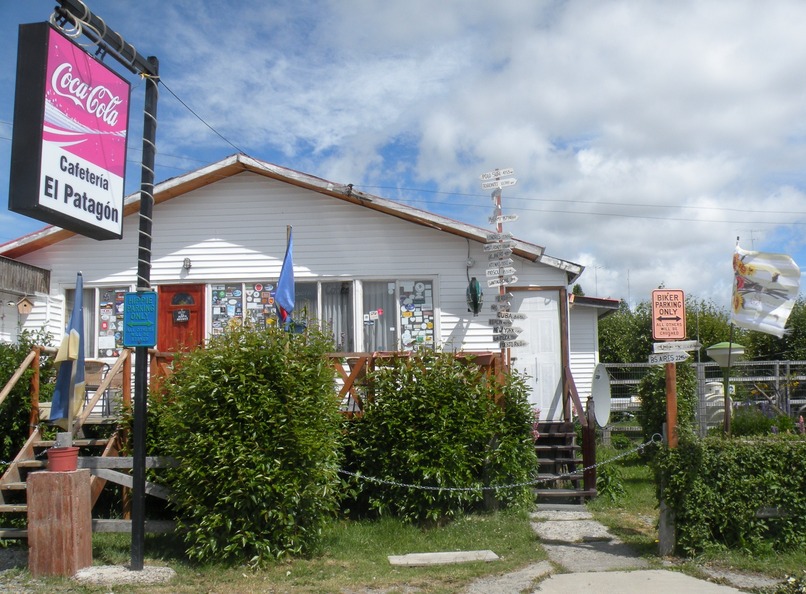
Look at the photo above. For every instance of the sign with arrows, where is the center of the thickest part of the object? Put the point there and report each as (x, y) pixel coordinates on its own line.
(511, 315)
(498, 236)
(140, 319)
(509, 344)
(668, 315)
(507, 171)
(682, 345)
(502, 281)
(501, 254)
(511, 218)
(504, 297)
(504, 247)
(663, 358)
(498, 183)
(499, 322)
(500, 271)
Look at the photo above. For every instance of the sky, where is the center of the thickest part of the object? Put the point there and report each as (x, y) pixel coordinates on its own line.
(645, 136)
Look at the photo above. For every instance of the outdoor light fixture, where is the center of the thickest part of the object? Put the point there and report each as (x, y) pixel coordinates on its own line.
(186, 264)
(725, 354)
(475, 296)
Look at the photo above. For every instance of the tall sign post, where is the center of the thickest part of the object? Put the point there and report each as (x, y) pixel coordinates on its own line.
(113, 44)
(500, 267)
(668, 324)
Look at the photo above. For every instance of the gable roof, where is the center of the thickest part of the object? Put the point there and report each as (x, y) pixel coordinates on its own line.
(240, 163)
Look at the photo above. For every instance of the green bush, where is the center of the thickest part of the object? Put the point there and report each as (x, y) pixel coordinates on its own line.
(254, 421)
(432, 422)
(15, 411)
(652, 391)
(749, 420)
(733, 493)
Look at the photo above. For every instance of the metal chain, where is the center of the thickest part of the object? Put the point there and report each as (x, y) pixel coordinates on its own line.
(656, 438)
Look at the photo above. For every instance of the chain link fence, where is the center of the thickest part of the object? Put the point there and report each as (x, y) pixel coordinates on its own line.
(777, 386)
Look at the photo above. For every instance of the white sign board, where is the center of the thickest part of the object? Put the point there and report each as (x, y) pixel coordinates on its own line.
(497, 173)
(680, 345)
(663, 358)
(499, 183)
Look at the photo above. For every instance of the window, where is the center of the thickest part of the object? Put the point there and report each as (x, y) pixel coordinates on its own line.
(337, 313)
(103, 319)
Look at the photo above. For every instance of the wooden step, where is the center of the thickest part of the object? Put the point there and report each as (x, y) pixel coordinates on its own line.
(565, 493)
(13, 533)
(558, 448)
(32, 463)
(16, 486)
(82, 442)
(13, 508)
(559, 461)
(571, 476)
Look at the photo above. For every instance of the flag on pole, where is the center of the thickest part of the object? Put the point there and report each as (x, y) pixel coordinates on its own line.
(284, 296)
(765, 289)
(68, 395)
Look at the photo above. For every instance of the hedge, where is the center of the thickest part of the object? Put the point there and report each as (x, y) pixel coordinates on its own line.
(745, 494)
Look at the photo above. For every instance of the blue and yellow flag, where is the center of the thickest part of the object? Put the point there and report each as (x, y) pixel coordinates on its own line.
(70, 383)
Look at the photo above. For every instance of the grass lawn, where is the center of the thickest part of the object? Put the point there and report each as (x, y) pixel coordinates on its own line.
(353, 558)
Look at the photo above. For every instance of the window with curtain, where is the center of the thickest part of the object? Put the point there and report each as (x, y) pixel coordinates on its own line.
(337, 313)
(380, 311)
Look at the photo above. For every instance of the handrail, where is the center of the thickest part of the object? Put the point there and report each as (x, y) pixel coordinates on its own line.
(17, 375)
(102, 387)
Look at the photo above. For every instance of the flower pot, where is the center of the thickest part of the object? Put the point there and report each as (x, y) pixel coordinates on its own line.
(62, 459)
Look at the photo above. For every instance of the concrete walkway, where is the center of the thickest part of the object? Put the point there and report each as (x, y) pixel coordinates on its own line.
(585, 557)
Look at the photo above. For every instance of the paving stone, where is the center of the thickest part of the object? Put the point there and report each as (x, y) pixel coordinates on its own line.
(572, 531)
(594, 556)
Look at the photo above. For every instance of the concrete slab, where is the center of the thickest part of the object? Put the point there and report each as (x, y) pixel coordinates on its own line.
(572, 531)
(594, 556)
(421, 559)
(629, 582)
(516, 581)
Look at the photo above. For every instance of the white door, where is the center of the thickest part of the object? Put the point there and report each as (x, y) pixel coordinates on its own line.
(540, 359)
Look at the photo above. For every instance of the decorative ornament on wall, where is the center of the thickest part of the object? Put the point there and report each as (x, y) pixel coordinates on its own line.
(475, 296)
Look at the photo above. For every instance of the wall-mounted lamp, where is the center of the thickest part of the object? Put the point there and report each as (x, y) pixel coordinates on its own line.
(186, 264)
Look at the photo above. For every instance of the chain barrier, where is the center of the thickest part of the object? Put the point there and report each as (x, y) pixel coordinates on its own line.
(656, 438)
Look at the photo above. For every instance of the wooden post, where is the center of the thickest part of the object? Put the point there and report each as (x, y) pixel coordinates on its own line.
(59, 523)
(34, 419)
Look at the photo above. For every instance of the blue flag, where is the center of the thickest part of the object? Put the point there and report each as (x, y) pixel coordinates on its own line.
(284, 296)
(68, 395)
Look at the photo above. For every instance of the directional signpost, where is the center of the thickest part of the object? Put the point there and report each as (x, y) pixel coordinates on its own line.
(501, 268)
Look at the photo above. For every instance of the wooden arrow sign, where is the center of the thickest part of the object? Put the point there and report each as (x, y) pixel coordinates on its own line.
(509, 344)
(499, 322)
(498, 236)
(663, 358)
(504, 297)
(502, 281)
(501, 246)
(499, 254)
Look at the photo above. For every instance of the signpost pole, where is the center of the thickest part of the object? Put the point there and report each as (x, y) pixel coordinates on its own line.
(671, 405)
(141, 353)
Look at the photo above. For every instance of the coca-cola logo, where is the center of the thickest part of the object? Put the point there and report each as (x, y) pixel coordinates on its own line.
(98, 101)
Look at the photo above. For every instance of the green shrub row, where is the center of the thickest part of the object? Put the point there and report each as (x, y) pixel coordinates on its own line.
(734, 493)
(432, 421)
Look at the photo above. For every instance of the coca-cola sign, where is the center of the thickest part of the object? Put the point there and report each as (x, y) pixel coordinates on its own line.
(71, 118)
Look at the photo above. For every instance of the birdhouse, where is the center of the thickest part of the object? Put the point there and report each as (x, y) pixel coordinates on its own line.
(25, 305)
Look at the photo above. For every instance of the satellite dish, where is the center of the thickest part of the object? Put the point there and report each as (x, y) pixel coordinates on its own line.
(600, 392)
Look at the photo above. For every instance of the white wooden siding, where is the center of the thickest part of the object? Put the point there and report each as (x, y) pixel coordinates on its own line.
(235, 230)
(584, 352)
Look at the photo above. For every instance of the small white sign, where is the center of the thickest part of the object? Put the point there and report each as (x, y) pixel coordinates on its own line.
(501, 271)
(498, 183)
(502, 247)
(504, 297)
(497, 173)
(508, 344)
(512, 315)
(663, 358)
(500, 254)
(498, 236)
(501, 281)
(503, 219)
(499, 322)
(681, 345)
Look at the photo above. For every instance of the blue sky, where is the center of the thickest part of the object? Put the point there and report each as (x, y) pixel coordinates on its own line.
(645, 136)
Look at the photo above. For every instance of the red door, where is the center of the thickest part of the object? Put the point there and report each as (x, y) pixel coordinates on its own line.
(181, 317)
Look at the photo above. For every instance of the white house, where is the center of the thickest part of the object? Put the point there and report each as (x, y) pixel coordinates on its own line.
(382, 275)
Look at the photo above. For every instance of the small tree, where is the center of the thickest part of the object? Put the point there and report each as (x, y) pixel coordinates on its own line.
(652, 391)
(253, 419)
